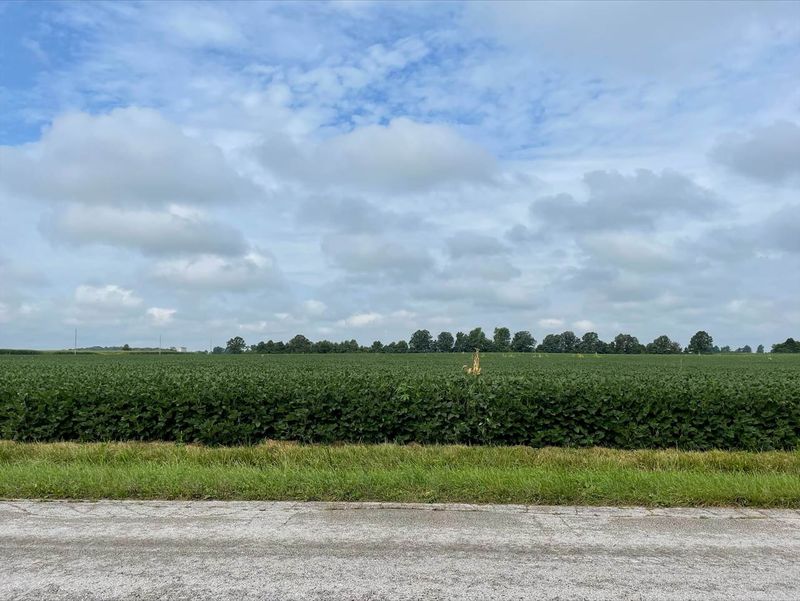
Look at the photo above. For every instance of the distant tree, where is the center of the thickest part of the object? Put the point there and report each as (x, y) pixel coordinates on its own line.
(523, 342)
(663, 346)
(701, 343)
(235, 345)
(444, 342)
(461, 343)
(125, 347)
(299, 344)
(217, 350)
(502, 339)
(725, 349)
(789, 346)
(551, 344)
(376, 347)
(421, 342)
(401, 347)
(744, 349)
(569, 342)
(627, 344)
(589, 343)
(323, 346)
(760, 348)
(476, 339)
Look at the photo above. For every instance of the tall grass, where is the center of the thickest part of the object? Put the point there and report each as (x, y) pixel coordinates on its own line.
(286, 471)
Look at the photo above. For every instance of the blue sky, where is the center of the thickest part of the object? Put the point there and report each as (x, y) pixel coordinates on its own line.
(361, 170)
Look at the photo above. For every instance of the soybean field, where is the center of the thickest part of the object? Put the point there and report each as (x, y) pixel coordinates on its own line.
(692, 402)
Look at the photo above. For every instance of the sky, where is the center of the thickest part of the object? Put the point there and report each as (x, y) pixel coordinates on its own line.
(198, 171)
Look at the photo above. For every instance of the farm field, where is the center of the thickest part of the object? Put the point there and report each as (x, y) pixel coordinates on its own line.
(749, 402)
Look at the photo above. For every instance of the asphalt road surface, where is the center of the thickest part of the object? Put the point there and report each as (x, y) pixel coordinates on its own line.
(371, 551)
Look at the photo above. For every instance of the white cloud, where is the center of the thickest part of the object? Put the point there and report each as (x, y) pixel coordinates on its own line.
(128, 156)
(108, 297)
(467, 243)
(169, 232)
(403, 156)
(314, 307)
(617, 201)
(161, 316)
(583, 325)
(358, 320)
(669, 38)
(365, 254)
(770, 154)
(551, 322)
(255, 270)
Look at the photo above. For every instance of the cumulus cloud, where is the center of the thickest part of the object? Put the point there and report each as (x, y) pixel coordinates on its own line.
(551, 322)
(169, 232)
(354, 215)
(639, 38)
(631, 251)
(106, 298)
(617, 201)
(358, 320)
(402, 156)
(127, 156)
(366, 254)
(255, 270)
(481, 268)
(769, 154)
(583, 325)
(781, 230)
(161, 316)
(466, 244)
(314, 307)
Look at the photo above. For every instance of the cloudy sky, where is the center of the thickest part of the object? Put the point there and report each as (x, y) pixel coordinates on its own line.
(361, 170)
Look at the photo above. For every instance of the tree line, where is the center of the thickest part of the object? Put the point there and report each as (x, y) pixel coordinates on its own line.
(422, 341)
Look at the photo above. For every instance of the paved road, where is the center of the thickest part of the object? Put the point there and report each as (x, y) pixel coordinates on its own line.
(364, 551)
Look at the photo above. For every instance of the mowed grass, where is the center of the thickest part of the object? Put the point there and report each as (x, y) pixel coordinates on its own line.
(286, 471)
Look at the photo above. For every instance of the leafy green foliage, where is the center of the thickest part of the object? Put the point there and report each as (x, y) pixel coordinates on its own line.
(635, 401)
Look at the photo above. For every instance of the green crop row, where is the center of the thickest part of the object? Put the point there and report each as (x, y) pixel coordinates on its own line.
(654, 402)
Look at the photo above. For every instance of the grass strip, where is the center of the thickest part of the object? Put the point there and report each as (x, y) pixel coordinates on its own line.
(287, 471)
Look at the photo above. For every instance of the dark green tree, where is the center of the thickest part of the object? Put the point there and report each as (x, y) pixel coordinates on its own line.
(701, 343)
(627, 344)
(126, 347)
(299, 344)
(551, 344)
(501, 340)
(461, 343)
(476, 339)
(789, 346)
(569, 342)
(421, 342)
(523, 342)
(760, 348)
(590, 343)
(663, 346)
(217, 350)
(235, 345)
(376, 347)
(444, 342)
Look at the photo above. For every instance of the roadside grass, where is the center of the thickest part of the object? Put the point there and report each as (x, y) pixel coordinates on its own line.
(411, 473)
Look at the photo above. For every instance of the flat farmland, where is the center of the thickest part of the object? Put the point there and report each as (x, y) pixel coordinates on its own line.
(690, 402)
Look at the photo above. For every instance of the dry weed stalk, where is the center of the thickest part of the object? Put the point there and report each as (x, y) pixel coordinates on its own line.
(475, 370)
